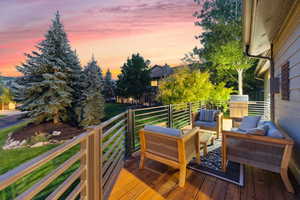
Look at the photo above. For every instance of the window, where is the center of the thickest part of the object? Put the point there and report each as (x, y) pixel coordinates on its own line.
(285, 82)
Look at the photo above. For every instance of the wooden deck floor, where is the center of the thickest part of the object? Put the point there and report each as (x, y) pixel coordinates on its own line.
(158, 181)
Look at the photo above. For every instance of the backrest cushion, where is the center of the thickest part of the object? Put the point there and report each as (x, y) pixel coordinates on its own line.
(163, 130)
(207, 115)
(249, 122)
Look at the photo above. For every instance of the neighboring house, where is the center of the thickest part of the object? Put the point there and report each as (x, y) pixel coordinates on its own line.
(7, 106)
(157, 73)
(272, 33)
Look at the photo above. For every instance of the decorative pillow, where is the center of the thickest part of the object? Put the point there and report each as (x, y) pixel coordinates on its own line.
(167, 131)
(249, 122)
(275, 133)
(202, 113)
(207, 115)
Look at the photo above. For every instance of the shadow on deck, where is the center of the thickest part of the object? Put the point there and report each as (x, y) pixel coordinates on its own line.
(158, 181)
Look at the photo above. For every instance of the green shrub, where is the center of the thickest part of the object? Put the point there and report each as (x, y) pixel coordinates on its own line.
(191, 86)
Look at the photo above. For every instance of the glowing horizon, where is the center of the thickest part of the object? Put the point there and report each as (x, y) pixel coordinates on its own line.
(160, 30)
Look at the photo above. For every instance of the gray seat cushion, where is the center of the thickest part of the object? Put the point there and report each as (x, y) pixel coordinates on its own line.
(238, 130)
(207, 124)
(249, 122)
(163, 130)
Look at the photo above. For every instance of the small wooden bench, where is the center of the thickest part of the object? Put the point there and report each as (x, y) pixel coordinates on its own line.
(205, 137)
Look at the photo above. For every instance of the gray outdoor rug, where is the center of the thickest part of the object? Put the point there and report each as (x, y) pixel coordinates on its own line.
(212, 162)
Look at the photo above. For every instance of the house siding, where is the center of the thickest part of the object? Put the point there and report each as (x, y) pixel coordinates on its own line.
(287, 113)
(267, 95)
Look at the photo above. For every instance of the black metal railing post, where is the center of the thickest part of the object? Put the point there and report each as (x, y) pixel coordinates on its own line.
(129, 134)
(190, 105)
(170, 116)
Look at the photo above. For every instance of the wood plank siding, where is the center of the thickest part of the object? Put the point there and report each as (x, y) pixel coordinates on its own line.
(287, 112)
(157, 181)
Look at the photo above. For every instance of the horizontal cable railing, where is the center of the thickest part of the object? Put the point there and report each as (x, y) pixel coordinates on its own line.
(84, 167)
(87, 166)
(261, 108)
(112, 150)
(74, 164)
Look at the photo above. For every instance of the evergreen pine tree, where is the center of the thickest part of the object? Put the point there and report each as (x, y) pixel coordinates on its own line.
(93, 102)
(77, 83)
(134, 81)
(1, 85)
(46, 89)
(108, 90)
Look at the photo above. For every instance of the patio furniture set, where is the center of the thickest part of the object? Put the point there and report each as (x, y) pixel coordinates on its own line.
(257, 143)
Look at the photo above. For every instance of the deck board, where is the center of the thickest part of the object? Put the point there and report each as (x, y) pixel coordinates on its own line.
(158, 181)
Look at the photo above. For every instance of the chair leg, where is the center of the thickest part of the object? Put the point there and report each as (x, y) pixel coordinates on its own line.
(286, 181)
(142, 161)
(182, 176)
(198, 160)
(205, 149)
(218, 134)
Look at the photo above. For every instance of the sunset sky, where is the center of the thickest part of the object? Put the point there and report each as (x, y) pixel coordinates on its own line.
(160, 30)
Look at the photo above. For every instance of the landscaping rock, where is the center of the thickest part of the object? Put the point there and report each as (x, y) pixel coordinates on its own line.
(56, 133)
(39, 144)
(23, 142)
(12, 144)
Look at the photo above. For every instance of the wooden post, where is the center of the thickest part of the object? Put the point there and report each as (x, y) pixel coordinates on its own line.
(191, 113)
(93, 166)
(99, 161)
(83, 163)
(129, 134)
(170, 116)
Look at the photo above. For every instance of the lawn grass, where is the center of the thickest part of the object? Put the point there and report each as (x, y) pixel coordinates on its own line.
(113, 109)
(10, 159)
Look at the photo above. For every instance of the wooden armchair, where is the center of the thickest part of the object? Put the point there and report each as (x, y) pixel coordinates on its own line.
(265, 152)
(216, 126)
(175, 151)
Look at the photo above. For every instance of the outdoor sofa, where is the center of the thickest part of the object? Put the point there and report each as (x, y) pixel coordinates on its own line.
(266, 146)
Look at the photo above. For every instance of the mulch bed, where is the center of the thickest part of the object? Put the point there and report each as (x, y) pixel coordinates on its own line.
(67, 131)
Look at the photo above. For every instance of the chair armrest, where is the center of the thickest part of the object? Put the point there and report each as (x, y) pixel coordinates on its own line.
(220, 121)
(267, 139)
(195, 116)
(190, 134)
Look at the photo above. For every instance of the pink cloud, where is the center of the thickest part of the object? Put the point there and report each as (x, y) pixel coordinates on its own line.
(92, 21)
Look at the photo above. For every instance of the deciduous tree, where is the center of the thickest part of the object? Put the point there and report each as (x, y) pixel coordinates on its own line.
(189, 86)
(230, 59)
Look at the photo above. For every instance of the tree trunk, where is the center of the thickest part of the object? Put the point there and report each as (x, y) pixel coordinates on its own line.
(240, 75)
(56, 118)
